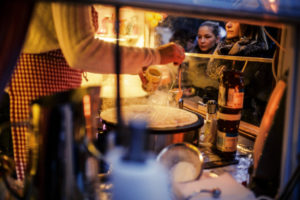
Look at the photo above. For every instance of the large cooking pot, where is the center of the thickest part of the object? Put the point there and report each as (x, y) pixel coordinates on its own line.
(163, 133)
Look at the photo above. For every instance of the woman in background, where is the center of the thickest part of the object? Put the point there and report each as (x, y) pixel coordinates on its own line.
(249, 41)
(207, 39)
(241, 40)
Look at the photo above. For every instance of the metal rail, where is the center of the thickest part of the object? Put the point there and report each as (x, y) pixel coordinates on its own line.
(225, 57)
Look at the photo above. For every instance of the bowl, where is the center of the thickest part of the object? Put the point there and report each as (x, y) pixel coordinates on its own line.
(184, 162)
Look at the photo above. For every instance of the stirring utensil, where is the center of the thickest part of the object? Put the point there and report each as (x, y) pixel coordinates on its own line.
(215, 192)
(179, 94)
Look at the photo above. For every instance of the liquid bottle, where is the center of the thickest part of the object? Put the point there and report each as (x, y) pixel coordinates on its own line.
(208, 138)
(230, 104)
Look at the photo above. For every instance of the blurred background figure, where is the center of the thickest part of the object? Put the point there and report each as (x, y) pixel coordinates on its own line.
(248, 41)
(208, 36)
(243, 40)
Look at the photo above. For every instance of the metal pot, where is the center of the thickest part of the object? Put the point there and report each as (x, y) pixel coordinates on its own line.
(158, 138)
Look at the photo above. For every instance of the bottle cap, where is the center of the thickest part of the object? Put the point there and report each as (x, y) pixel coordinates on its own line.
(211, 106)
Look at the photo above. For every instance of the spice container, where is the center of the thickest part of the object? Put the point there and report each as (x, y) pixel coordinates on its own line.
(208, 138)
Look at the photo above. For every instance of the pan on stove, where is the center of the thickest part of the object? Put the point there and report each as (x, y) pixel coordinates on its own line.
(108, 117)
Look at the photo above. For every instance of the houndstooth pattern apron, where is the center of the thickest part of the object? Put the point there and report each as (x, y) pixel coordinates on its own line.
(35, 75)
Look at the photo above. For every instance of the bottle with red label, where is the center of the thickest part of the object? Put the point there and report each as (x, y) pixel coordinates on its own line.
(230, 104)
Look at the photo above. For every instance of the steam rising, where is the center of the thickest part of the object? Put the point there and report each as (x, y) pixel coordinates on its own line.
(197, 75)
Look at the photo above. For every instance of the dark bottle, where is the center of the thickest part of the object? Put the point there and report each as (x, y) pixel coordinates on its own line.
(230, 121)
(230, 104)
(231, 92)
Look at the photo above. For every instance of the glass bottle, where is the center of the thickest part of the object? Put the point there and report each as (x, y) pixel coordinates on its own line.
(230, 103)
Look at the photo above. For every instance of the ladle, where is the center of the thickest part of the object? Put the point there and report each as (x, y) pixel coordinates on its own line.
(179, 94)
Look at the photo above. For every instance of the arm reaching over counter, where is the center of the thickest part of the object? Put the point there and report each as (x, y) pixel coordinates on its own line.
(69, 27)
(59, 46)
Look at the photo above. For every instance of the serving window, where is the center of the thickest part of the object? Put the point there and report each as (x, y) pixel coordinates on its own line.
(260, 69)
(144, 28)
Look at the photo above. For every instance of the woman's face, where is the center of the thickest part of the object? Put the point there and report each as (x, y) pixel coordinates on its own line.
(232, 29)
(206, 38)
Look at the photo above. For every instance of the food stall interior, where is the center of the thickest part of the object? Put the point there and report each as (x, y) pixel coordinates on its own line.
(270, 116)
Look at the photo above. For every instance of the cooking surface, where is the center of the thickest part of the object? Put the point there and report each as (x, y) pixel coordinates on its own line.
(161, 119)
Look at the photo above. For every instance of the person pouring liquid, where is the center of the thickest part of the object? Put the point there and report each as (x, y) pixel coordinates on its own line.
(60, 45)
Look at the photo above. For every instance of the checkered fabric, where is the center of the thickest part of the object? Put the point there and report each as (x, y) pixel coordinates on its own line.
(35, 75)
(95, 19)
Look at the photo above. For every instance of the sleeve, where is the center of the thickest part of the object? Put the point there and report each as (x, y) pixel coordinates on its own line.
(75, 33)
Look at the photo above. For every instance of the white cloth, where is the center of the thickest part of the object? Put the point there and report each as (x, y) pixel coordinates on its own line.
(68, 27)
(230, 188)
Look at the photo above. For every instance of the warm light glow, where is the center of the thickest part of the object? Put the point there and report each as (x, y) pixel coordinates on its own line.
(131, 25)
(131, 86)
(271, 5)
(153, 18)
(35, 109)
(87, 105)
(109, 39)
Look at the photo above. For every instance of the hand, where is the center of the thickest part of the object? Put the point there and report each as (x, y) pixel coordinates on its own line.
(150, 78)
(171, 52)
(141, 74)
